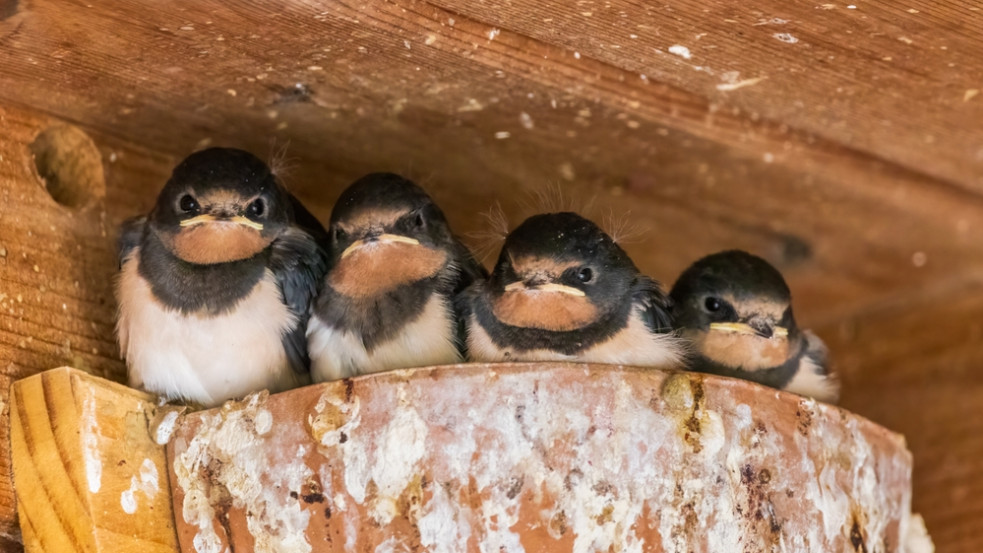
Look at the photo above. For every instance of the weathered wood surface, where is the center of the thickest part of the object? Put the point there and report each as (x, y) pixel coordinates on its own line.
(544, 457)
(876, 229)
(89, 477)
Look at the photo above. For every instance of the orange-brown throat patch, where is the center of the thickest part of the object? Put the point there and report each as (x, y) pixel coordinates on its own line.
(217, 242)
(379, 267)
(554, 311)
(740, 351)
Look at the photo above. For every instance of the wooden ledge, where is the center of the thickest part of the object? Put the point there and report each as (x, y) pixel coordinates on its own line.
(88, 476)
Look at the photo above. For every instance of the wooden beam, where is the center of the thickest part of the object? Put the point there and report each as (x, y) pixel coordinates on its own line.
(89, 478)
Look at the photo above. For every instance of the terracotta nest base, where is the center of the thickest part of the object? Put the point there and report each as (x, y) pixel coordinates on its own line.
(543, 457)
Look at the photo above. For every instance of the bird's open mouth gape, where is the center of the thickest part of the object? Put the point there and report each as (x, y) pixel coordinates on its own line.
(546, 306)
(207, 239)
(371, 267)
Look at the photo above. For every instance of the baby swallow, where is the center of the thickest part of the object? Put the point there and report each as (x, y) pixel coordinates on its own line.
(387, 300)
(216, 283)
(736, 311)
(563, 290)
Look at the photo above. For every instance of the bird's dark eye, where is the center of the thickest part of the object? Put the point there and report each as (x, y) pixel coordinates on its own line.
(585, 275)
(188, 204)
(712, 304)
(339, 234)
(257, 208)
(419, 221)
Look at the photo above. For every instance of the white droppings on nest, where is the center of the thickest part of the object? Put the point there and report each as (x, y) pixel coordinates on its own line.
(263, 421)
(166, 427)
(393, 455)
(441, 530)
(508, 451)
(90, 443)
(916, 539)
(493, 33)
(785, 37)
(147, 484)
(680, 51)
(227, 458)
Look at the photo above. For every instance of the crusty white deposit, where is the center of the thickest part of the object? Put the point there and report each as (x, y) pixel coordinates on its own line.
(609, 460)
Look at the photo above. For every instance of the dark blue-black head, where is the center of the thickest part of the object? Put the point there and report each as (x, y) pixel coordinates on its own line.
(386, 232)
(560, 271)
(736, 309)
(733, 287)
(220, 205)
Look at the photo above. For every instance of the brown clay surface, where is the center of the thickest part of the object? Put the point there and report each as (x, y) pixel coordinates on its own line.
(548, 457)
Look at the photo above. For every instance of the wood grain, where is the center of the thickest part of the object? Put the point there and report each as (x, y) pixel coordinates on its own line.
(89, 477)
(56, 271)
(857, 175)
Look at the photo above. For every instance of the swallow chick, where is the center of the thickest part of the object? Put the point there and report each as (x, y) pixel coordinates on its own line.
(395, 268)
(216, 283)
(736, 311)
(563, 290)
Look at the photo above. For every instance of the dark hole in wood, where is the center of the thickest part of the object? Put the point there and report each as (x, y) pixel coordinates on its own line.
(794, 250)
(70, 165)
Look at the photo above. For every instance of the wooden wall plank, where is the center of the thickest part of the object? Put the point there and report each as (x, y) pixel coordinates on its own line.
(89, 476)
(56, 271)
(894, 80)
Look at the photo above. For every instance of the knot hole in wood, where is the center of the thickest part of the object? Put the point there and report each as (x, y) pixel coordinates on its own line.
(70, 165)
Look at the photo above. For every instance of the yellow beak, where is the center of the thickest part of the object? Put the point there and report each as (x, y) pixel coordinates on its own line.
(206, 218)
(548, 287)
(741, 328)
(385, 238)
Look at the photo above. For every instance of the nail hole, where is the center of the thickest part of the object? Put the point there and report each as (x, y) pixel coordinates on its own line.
(70, 165)
(794, 251)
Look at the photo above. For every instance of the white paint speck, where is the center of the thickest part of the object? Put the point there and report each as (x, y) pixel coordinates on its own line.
(576, 55)
(472, 105)
(785, 37)
(526, 121)
(493, 33)
(728, 86)
(851, 7)
(680, 51)
(502, 135)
